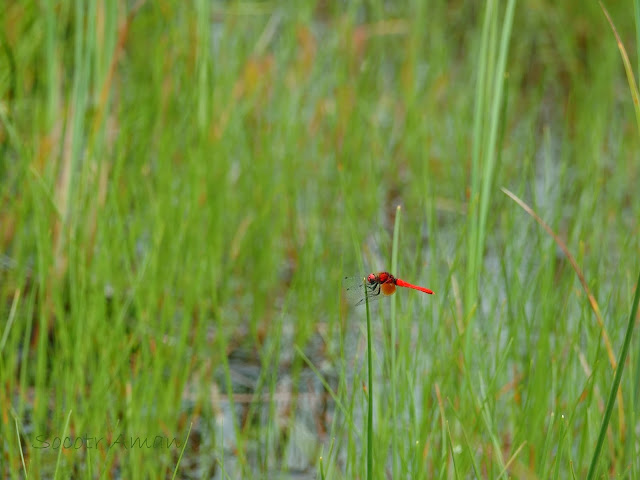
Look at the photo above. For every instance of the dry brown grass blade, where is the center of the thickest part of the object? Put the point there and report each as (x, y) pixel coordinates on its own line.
(583, 282)
(123, 33)
(576, 268)
(633, 85)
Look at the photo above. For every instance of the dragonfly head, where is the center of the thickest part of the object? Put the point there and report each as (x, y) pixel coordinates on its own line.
(371, 279)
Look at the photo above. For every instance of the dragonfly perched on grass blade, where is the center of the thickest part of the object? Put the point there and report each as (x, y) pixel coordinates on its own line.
(376, 283)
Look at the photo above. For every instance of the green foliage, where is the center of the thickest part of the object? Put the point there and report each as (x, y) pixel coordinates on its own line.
(183, 184)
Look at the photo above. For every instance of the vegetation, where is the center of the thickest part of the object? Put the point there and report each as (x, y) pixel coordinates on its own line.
(184, 184)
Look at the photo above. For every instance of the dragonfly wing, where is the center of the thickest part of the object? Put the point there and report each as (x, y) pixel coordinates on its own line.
(354, 290)
(372, 298)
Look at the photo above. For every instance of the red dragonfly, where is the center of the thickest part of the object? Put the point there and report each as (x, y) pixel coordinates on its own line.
(377, 283)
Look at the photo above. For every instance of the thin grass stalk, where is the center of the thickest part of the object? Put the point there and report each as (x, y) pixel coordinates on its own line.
(334, 395)
(634, 399)
(636, 16)
(452, 452)
(184, 444)
(51, 57)
(203, 59)
(24, 465)
(635, 95)
(631, 79)
(392, 350)
(616, 383)
(633, 88)
(369, 390)
(629, 332)
(64, 435)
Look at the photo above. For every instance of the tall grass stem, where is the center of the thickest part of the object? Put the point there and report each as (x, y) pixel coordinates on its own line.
(369, 390)
(392, 350)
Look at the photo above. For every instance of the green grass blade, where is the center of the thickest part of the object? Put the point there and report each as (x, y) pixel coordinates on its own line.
(64, 435)
(496, 108)
(616, 383)
(452, 452)
(490, 83)
(636, 17)
(369, 391)
(326, 385)
(24, 466)
(392, 350)
(635, 95)
(471, 277)
(181, 187)
(12, 316)
(184, 445)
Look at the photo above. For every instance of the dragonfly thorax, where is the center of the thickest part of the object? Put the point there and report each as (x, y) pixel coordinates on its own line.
(380, 278)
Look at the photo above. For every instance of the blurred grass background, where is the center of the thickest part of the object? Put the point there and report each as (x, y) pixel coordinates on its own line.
(184, 184)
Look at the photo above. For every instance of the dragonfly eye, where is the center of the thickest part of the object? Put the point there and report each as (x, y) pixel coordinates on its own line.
(371, 279)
